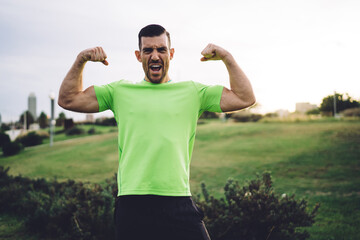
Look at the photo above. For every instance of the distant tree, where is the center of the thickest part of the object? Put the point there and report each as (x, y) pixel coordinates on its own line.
(342, 103)
(106, 121)
(4, 127)
(11, 148)
(315, 111)
(61, 119)
(29, 119)
(4, 138)
(43, 120)
(68, 123)
(208, 115)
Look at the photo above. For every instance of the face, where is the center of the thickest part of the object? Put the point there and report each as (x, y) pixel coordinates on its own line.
(155, 57)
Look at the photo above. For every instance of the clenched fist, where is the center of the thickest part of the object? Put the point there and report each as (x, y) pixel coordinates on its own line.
(96, 54)
(213, 52)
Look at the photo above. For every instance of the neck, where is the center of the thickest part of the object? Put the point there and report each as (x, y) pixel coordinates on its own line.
(164, 80)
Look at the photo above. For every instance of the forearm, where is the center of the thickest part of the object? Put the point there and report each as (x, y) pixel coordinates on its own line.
(72, 83)
(239, 82)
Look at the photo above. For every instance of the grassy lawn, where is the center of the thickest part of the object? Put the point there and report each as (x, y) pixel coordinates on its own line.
(318, 161)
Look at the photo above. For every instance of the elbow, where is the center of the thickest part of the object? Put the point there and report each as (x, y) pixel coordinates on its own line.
(65, 104)
(252, 101)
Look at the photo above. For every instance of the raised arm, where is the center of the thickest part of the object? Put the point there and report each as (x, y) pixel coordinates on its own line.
(240, 95)
(71, 95)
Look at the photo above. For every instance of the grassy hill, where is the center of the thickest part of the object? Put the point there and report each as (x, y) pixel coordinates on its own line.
(318, 161)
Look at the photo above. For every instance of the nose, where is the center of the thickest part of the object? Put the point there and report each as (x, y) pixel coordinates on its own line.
(155, 56)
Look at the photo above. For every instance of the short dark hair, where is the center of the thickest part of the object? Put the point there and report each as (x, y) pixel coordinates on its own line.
(153, 30)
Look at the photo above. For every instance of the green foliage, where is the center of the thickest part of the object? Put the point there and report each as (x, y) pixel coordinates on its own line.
(11, 148)
(30, 139)
(43, 120)
(351, 112)
(255, 211)
(74, 131)
(66, 210)
(60, 120)
(244, 116)
(4, 127)
(91, 131)
(315, 111)
(106, 122)
(342, 103)
(29, 119)
(208, 115)
(4, 138)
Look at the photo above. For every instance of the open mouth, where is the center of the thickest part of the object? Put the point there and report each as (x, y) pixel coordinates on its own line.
(155, 67)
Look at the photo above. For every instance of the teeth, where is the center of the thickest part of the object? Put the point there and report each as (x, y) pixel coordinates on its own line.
(156, 66)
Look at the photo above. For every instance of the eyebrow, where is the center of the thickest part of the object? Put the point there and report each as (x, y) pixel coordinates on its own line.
(151, 49)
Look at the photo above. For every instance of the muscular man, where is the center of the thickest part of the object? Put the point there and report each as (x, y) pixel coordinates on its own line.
(157, 123)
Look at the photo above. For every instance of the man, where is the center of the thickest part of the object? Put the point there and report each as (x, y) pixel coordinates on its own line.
(157, 124)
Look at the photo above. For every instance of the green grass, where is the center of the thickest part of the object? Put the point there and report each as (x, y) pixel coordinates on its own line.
(317, 160)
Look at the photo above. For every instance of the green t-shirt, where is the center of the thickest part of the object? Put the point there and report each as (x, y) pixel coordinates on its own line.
(157, 126)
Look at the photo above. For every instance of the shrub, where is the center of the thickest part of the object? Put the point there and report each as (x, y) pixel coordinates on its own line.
(106, 122)
(67, 210)
(11, 148)
(208, 115)
(351, 112)
(255, 212)
(43, 134)
(74, 131)
(91, 131)
(73, 210)
(244, 116)
(4, 138)
(30, 139)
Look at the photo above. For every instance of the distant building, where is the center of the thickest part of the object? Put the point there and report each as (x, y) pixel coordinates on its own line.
(32, 105)
(90, 118)
(281, 113)
(304, 107)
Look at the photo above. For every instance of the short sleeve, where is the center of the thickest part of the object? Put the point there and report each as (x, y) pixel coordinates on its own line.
(104, 95)
(210, 96)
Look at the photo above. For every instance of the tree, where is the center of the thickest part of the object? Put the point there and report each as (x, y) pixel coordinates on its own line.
(342, 103)
(60, 120)
(43, 120)
(4, 127)
(4, 139)
(29, 119)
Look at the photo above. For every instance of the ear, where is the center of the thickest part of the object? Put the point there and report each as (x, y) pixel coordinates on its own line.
(137, 54)
(172, 51)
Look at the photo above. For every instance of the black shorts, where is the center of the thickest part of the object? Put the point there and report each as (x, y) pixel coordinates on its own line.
(159, 218)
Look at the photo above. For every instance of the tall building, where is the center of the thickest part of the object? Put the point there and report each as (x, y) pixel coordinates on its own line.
(32, 105)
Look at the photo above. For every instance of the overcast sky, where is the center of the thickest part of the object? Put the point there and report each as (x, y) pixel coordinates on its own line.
(292, 51)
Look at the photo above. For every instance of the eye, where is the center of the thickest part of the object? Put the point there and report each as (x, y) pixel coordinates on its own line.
(162, 50)
(147, 50)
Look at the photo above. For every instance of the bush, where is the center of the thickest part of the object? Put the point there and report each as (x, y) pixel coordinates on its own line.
(208, 115)
(43, 134)
(91, 131)
(4, 138)
(73, 210)
(11, 148)
(74, 131)
(30, 139)
(106, 122)
(67, 210)
(246, 117)
(351, 112)
(255, 212)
